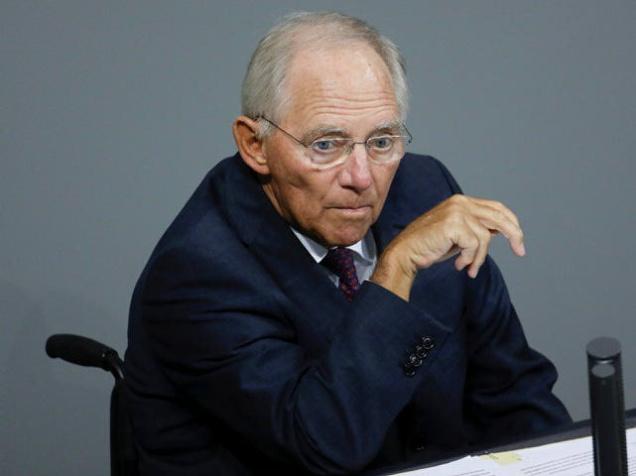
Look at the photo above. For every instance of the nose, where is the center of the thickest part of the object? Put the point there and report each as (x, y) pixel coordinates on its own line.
(356, 173)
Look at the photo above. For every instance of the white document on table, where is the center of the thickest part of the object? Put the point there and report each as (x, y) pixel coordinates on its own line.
(564, 458)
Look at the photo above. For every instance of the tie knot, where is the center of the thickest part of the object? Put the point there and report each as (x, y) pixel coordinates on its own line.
(340, 262)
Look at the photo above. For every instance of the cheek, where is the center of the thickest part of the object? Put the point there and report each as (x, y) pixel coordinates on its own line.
(303, 205)
(301, 192)
(308, 197)
(383, 179)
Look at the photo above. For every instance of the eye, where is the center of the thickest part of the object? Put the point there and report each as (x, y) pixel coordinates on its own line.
(381, 143)
(325, 146)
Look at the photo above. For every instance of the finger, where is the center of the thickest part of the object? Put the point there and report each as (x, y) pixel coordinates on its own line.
(498, 221)
(499, 212)
(484, 236)
(500, 207)
(514, 235)
(465, 258)
(468, 243)
(454, 250)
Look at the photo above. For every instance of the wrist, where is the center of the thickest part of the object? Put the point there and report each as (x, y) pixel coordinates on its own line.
(395, 272)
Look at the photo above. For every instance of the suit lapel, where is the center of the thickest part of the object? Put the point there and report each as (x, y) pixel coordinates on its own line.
(304, 282)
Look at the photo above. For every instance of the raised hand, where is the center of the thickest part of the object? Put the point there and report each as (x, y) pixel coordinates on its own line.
(460, 225)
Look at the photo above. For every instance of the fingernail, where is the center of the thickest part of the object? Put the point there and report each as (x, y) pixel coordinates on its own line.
(523, 249)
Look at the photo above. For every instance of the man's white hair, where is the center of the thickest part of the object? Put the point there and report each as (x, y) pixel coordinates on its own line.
(263, 89)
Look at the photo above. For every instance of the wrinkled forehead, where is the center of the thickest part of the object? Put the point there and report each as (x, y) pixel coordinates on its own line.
(327, 82)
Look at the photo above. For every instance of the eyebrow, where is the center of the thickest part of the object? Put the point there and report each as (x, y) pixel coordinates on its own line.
(388, 126)
(327, 130)
(321, 131)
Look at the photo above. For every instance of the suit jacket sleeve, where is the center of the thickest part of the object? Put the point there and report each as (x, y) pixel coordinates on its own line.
(508, 384)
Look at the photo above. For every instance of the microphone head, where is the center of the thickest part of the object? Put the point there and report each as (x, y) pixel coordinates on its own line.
(603, 349)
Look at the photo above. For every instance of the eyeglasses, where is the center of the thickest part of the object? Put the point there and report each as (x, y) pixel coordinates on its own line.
(326, 152)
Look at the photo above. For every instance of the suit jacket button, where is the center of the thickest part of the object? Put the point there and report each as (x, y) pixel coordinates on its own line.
(414, 361)
(409, 370)
(428, 343)
(420, 351)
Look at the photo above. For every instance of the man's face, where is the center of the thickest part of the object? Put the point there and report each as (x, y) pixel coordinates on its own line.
(344, 89)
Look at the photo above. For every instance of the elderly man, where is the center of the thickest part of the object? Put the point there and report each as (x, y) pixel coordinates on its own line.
(324, 302)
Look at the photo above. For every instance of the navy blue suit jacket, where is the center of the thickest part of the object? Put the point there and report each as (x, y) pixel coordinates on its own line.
(244, 357)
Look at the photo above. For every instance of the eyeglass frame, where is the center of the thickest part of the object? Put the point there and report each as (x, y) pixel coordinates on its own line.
(349, 148)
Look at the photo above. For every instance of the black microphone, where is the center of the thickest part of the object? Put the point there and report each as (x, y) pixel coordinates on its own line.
(607, 406)
(84, 351)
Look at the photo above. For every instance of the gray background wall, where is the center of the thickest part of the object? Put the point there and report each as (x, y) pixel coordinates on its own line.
(111, 112)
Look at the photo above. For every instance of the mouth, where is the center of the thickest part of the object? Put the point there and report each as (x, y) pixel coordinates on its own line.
(354, 211)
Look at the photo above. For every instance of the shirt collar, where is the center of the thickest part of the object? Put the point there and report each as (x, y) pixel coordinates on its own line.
(364, 249)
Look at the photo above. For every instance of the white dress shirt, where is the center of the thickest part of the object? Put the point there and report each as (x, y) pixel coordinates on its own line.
(364, 255)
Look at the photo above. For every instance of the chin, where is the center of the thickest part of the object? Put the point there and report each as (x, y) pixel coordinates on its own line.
(345, 236)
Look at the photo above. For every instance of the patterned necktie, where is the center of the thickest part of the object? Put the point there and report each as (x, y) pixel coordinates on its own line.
(340, 262)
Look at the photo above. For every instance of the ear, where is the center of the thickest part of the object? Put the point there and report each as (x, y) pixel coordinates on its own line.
(250, 146)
